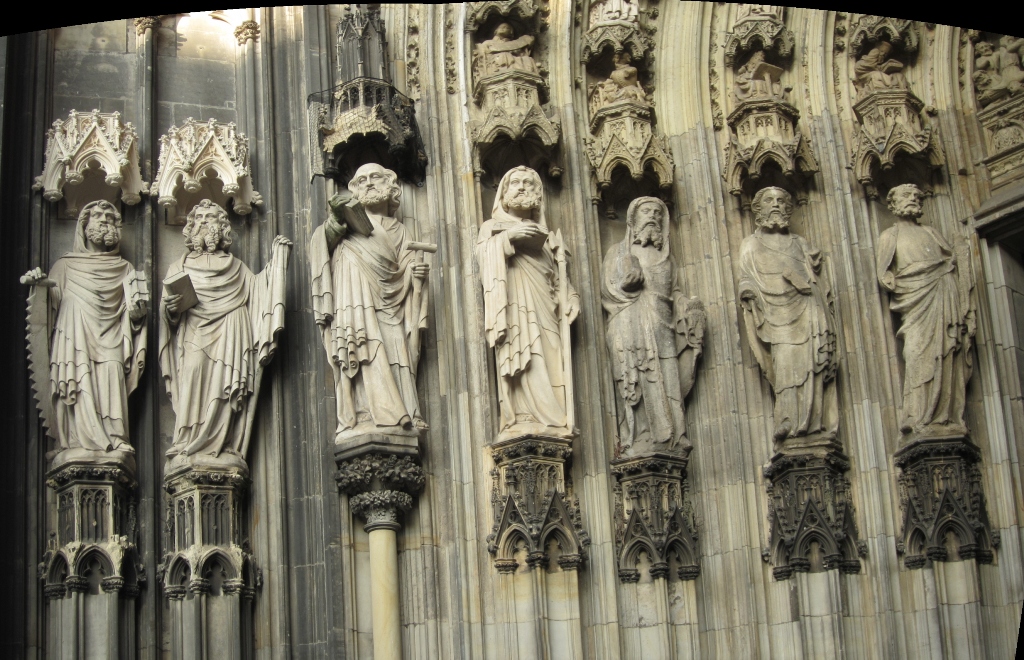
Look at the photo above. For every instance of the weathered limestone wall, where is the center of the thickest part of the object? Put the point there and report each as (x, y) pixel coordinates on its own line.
(315, 598)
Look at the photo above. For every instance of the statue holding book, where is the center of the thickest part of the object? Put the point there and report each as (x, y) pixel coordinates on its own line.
(219, 326)
(370, 303)
(87, 325)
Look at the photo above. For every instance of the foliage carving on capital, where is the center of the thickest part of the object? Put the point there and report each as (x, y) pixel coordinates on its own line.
(247, 31)
(394, 473)
(75, 144)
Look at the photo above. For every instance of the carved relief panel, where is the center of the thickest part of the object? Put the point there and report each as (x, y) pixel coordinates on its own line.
(998, 81)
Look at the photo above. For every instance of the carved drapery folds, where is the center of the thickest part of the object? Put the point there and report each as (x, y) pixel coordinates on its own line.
(509, 126)
(999, 92)
(894, 124)
(766, 147)
(196, 155)
(365, 118)
(91, 156)
(617, 55)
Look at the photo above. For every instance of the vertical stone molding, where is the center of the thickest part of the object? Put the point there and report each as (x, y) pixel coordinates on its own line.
(999, 94)
(766, 147)
(365, 118)
(74, 145)
(895, 125)
(92, 571)
(204, 161)
(509, 126)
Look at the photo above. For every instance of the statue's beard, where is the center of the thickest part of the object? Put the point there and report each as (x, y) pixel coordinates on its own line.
(373, 196)
(106, 237)
(521, 201)
(774, 220)
(649, 234)
(206, 241)
(906, 212)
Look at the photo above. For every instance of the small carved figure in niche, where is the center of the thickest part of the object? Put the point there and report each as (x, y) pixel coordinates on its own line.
(932, 295)
(655, 334)
(605, 11)
(621, 85)
(790, 322)
(998, 73)
(504, 52)
(218, 328)
(528, 307)
(876, 71)
(98, 306)
(759, 79)
(749, 12)
(370, 304)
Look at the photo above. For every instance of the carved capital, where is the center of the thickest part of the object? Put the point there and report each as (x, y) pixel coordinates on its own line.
(376, 471)
(146, 23)
(381, 509)
(55, 591)
(76, 584)
(247, 31)
(112, 584)
(175, 592)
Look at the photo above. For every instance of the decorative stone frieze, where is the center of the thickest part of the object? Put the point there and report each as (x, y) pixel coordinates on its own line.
(810, 514)
(940, 492)
(654, 515)
(80, 148)
(533, 504)
(758, 27)
(196, 155)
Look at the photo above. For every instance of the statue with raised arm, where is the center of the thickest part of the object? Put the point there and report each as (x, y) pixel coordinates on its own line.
(370, 305)
(528, 306)
(790, 321)
(87, 323)
(931, 292)
(219, 327)
(655, 334)
(503, 52)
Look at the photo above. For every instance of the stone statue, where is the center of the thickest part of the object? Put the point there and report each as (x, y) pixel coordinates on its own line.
(749, 12)
(528, 306)
(876, 71)
(605, 11)
(998, 73)
(621, 85)
(503, 52)
(654, 333)
(790, 322)
(758, 79)
(370, 305)
(218, 329)
(919, 267)
(95, 323)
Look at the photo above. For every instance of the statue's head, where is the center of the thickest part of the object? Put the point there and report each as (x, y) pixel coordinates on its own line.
(756, 58)
(772, 207)
(1006, 40)
(101, 224)
(207, 228)
(504, 32)
(521, 190)
(646, 220)
(622, 58)
(373, 184)
(905, 201)
(983, 48)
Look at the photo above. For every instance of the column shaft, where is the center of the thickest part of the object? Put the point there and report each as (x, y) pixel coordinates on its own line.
(387, 622)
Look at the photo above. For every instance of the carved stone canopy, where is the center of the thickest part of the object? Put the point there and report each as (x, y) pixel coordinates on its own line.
(480, 13)
(867, 29)
(196, 154)
(617, 37)
(81, 148)
(624, 137)
(758, 30)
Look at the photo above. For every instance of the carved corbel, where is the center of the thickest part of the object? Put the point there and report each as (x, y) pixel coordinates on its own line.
(85, 144)
(192, 157)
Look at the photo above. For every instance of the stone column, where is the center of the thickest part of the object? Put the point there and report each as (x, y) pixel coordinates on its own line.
(380, 474)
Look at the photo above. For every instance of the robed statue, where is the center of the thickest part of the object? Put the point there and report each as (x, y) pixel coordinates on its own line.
(788, 310)
(371, 306)
(219, 327)
(655, 334)
(503, 52)
(528, 307)
(930, 290)
(87, 326)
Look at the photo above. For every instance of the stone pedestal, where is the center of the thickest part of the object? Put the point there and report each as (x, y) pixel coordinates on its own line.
(91, 570)
(653, 515)
(533, 505)
(810, 510)
(380, 473)
(209, 575)
(944, 515)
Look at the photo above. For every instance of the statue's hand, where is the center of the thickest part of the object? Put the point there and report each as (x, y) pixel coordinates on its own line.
(139, 312)
(281, 244)
(524, 232)
(33, 277)
(420, 271)
(633, 280)
(171, 303)
(574, 308)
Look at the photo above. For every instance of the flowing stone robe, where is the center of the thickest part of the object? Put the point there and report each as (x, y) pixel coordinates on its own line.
(790, 327)
(918, 267)
(521, 321)
(654, 336)
(209, 355)
(97, 352)
(365, 305)
(497, 55)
